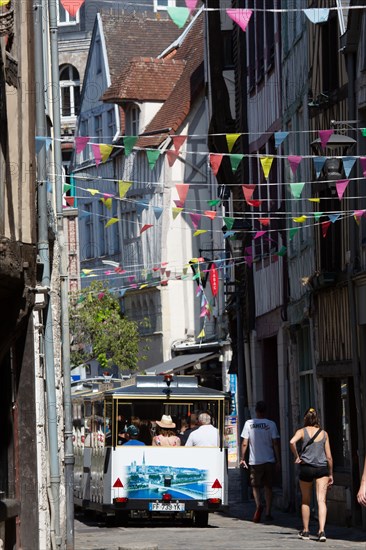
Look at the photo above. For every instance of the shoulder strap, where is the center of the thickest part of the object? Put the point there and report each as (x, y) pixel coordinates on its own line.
(311, 440)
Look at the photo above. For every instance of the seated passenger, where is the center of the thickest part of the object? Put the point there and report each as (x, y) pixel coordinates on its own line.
(206, 435)
(145, 432)
(133, 433)
(166, 436)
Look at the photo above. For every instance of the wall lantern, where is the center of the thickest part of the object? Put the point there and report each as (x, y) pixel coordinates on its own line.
(338, 146)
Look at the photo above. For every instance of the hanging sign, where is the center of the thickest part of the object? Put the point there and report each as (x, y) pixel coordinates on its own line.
(214, 280)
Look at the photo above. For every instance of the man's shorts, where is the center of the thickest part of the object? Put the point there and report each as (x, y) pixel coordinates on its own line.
(261, 475)
(309, 473)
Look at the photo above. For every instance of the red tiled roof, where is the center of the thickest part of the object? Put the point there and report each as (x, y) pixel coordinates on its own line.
(145, 79)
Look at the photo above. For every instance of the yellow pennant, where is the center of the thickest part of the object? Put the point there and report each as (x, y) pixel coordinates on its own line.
(111, 222)
(199, 232)
(301, 219)
(314, 200)
(202, 334)
(93, 191)
(176, 211)
(123, 187)
(266, 163)
(105, 151)
(231, 140)
(107, 202)
(87, 271)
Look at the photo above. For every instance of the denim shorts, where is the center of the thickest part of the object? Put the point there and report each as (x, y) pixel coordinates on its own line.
(309, 473)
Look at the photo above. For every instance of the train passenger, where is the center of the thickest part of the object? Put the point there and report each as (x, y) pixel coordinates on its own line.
(166, 436)
(145, 432)
(206, 435)
(133, 433)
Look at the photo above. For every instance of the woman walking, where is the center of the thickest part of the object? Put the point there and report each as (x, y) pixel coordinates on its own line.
(316, 463)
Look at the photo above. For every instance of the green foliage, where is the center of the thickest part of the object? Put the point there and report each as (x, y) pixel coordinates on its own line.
(100, 331)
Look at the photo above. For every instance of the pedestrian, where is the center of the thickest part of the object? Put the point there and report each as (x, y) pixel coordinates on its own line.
(206, 435)
(262, 437)
(361, 495)
(316, 463)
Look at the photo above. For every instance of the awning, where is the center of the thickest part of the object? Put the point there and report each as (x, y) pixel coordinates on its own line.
(181, 362)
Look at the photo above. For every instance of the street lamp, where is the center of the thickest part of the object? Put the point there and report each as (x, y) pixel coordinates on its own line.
(337, 146)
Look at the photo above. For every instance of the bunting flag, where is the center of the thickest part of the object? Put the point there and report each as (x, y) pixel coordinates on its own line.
(145, 227)
(266, 163)
(97, 154)
(255, 203)
(358, 215)
(80, 144)
(215, 162)
(282, 251)
(202, 334)
(93, 191)
(214, 202)
(123, 187)
(152, 157)
(72, 6)
(259, 234)
(314, 199)
(129, 143)
(41, 141)
(107, 201)
(178, 142)
(249, 260)
(318, 165)
(248, 191)
(182, 189)
(317, 15)
(292, 232)
(176, 211)
(111, 221)
(324, 136)
(105, 151)
(231, 140)
(4, 2)
(178, 203)
(179, 16)
(240, 16)
(191, 5)
(229, 222)
(348, 163)
(280, 138)
(66, 187)
(195, 218)
(235, 160)
(199, 232)
(300, 219)
(294, 162)
(318, 215)
(334, 217)
(158, 210)
(141, 206)
(210, 214)
(264, 221)
(296, 189)
(171, 156)
(228, 234)
(363, 132)
(70, 201)
(363, 165)
(325, 227)
(341, 186)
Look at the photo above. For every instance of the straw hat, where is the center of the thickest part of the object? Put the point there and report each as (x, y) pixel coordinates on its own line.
(166, 422)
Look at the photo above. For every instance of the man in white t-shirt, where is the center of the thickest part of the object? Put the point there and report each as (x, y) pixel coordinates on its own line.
(204, 436)
(262, 437)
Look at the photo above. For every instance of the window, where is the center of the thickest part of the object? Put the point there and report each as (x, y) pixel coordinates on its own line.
(70, 91)
(98, 125)
(98, 54)
(305, 368)
(111, 124)
(88, 230)
(132, 120)
(102, 231)
(163, 4)
(64, 18)
(84, 131)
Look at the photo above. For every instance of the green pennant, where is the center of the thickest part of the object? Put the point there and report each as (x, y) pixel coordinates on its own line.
(179, 16)
(229, 222)
(282, 251)
(152, 157)
(296, 189)
(363, 132)
(317, 215)
(235, 160)
(214, 202)
(293, 232)
(67, 187)
(129, 142)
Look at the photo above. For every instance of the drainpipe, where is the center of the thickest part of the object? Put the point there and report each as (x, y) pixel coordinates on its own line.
(44, 254)
(64, 279)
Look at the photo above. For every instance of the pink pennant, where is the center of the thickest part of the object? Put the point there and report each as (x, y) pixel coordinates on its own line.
(131, 278)
(145, 227)
(325, 227)
(324, 136)
(210, 214)
(97, 154)
(240, 16)
(215, 162)
(259, 234)
(363, 165)
(359, 213)
(249, 260)
(72, 6)
(80, 144)
(248, 191)
(178, 142)
(203, 311)
(182, 189)
(191, 4)
(178, 203)
(341, 186)
(264, 221)
(255, 203)
(196, 218)
(294, 162)
(172, 157)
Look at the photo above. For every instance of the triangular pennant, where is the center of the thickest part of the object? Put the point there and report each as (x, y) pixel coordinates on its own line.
(182, 189)
(105, 151)
(191, 4)
(158, 210)
(259, 234)
(348, 163)
(178, 142)
(72, 6)
(214, 202)
(279, 138)
(96, 152)
(296, 189)
(66, 187)
(314, 199)
(123, 187)
(363, 132)
(318, 164)
(318, 215)
(264, 221)
(282, 251)
(152, 157)
(176, 211)
(324, 136)
(141, 206)
(317, 15)
(325, 227)
(249, 260)
(341, 186)
(231, 140)
(70, 201)
(255, 203)
(40, 142)
(248, 191)
(334, 217)
(266, 163)
(363, 165)
(111, 222)
(172, 157)
(80, 144)
(93, 191)
(240, 16)
(179, 16)
(129, 143)
(294, 161)
(228, 234)
(292, 232)
(229, 222)
(210, 214)
(145, 227)
(235, 160)
(178, 203)
(199, 232)
(195, 218)
(215, 161)
(107, 202)
(300, 219)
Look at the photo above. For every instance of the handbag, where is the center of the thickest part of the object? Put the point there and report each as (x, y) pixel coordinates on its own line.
(311, 440)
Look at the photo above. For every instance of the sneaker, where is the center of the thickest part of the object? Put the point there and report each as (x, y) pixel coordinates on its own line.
(304, 535)
(322, 537)
(257, 514)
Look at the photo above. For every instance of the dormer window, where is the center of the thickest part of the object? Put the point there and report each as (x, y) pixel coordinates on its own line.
(163, 4)
(132, 120)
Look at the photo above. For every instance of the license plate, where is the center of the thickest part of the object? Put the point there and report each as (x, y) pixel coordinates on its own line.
(166, 506)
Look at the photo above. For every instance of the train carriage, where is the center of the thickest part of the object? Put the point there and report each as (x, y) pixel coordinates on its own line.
(148, 481)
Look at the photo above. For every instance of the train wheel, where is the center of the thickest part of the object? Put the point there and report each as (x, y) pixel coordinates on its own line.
(201, 519)
(121, 519)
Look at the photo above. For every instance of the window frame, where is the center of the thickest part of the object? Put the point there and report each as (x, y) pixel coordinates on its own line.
(70, 21)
